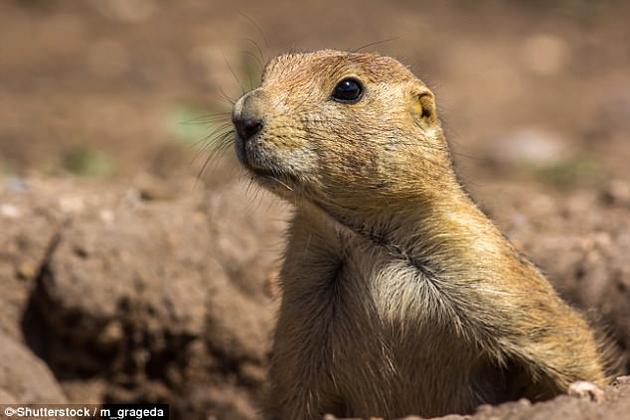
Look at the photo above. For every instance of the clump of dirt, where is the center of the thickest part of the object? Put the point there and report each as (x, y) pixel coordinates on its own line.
(127, 300)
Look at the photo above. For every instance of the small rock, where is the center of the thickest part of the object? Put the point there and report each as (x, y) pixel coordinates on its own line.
(621, 380)
(617, 192)
(107, 216)
(9, 211)
(26, 270)
(152, 189)
(112, 334)
(156, 192)
(586, 390)
(254, 373)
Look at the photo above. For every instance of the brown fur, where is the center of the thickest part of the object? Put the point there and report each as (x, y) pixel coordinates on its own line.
(399, 296)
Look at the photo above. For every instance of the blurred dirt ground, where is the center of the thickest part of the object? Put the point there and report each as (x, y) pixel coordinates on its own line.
(125, 278)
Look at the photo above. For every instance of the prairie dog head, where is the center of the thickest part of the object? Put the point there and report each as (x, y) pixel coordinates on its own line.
(342, 129)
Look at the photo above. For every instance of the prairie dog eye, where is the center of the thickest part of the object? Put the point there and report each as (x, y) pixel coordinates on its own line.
(348, 91)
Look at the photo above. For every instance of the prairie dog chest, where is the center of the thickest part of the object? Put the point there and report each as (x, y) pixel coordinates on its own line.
(358, 283)
(356, 314)
(387, 329)
(388, 284)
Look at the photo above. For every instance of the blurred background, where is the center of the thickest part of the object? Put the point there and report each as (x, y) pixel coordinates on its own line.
(112, 88)
(129, 274)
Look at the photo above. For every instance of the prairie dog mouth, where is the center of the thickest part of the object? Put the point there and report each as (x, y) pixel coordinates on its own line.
(277, 175)
(258, 164)
(273, 178)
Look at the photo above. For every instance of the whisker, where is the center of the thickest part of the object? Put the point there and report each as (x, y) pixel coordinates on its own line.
(222, 138)
(238, 81)
(259, 64)
(260, 31)
(213, 133)
(221, 144)
(205, 119)
(371, 44)
(226, 97)
(279, 181)
(249, 79)
(260, 52)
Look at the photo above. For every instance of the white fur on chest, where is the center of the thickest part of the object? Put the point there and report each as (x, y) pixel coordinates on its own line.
(395, 332)
(398, 290)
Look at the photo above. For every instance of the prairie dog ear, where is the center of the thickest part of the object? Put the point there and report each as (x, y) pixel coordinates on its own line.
(423, 105)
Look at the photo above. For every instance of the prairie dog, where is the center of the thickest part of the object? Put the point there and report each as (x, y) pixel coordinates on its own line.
(399, 296)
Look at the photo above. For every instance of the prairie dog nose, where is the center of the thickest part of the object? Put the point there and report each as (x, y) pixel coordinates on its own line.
(247, 115)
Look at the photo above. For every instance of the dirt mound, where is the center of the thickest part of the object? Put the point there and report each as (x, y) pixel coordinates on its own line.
(134, 300)
(122, 294)
(612, 403)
